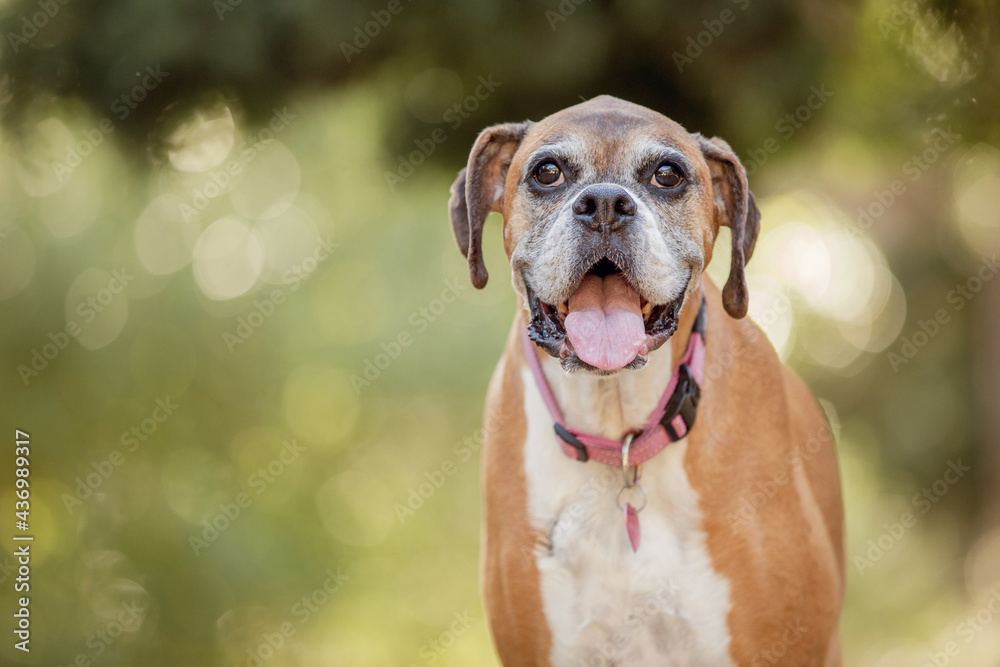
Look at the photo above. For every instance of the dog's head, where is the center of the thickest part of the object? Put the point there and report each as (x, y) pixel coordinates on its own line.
(610, 214)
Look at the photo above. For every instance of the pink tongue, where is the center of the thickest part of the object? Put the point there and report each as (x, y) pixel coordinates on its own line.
(604, 323)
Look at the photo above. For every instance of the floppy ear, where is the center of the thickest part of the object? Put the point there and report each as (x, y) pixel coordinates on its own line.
(478, 189)
(735, 208)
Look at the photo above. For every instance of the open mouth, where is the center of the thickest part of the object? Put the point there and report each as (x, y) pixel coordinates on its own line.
(606, 324)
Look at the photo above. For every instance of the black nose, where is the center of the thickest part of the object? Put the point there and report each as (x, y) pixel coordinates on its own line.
(604, 207)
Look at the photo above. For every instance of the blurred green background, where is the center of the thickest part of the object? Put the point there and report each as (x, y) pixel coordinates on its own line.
(237, 328)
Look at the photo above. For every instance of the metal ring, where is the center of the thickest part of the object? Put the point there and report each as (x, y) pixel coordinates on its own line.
(626, 445)
(641, 489)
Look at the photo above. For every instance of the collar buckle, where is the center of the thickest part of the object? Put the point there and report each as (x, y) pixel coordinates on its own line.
(683, 402)
(629, 472)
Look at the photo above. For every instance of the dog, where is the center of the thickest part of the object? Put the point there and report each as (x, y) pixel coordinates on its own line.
(658, 489)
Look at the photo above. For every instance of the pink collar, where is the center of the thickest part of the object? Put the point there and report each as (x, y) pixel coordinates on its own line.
(671, 420)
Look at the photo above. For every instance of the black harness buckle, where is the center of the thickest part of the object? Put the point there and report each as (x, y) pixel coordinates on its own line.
(570, 439)
(683, 402)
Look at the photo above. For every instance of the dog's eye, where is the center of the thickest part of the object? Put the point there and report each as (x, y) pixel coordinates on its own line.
(548, 174)
(667, 175)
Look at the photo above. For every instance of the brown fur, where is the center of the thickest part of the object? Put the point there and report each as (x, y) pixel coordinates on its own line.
(787, 565)
(511, 590)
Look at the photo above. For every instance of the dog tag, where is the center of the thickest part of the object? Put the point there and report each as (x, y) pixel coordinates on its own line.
(632, 526)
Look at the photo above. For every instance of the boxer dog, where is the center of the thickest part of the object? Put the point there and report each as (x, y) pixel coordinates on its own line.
(658, 489)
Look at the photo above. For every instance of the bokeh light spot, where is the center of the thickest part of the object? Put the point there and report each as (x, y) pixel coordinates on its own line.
(288, 239)
(845, 299)
(977, 198)
(193, 483)
(48, 146)
(982, 566)
(96, 303)
(164, 241)
(72, 209)
(772, 310)
(227, 259)
(203, 142)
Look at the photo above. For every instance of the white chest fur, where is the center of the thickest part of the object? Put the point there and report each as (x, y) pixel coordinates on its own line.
(605, 605)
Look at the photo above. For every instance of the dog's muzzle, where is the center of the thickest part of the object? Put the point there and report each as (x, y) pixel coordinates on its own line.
(606, 325)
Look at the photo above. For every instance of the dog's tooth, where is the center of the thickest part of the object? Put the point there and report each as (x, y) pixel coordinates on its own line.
(647, 309)
(563, 308)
